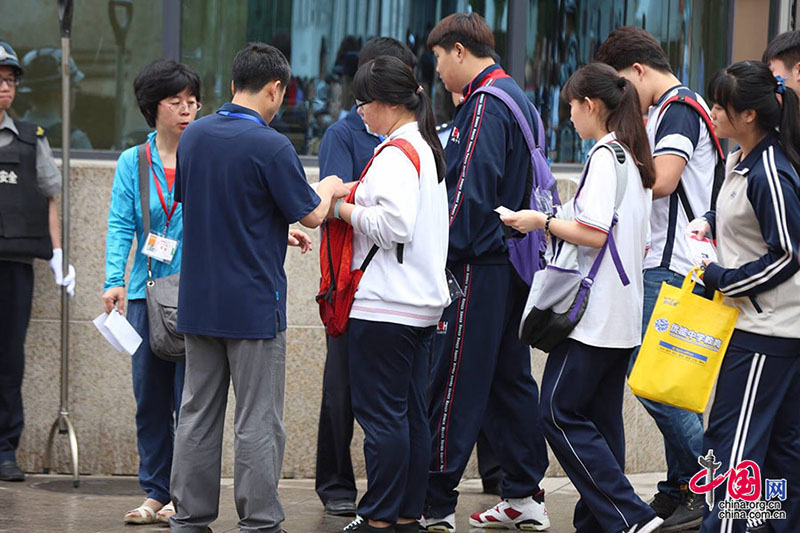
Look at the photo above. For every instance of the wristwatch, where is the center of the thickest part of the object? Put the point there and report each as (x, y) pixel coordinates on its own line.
(547, 223)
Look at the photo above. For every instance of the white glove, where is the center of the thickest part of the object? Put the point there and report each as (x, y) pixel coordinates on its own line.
(58, 271)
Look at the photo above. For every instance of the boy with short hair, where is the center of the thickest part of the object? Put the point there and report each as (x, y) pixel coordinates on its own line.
(783, 58)
(685, 159)
(481, 372)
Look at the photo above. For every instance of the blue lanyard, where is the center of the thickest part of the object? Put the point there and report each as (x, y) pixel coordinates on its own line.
(257, 120)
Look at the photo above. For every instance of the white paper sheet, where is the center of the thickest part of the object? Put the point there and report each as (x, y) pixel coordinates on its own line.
(100, 324)
(118, 332)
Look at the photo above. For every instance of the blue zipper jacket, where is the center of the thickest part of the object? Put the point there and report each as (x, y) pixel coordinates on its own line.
(757, 229)
(488, 165)
(125, 221)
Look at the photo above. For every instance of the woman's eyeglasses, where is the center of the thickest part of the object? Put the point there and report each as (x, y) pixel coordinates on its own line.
(360, 104)
(176, 107)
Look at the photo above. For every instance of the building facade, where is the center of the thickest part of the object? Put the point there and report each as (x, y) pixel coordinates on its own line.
(540, 43)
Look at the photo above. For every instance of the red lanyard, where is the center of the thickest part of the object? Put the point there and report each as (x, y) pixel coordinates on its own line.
(160, 192)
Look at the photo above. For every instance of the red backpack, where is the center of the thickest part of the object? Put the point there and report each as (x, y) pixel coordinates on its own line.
(337, 287)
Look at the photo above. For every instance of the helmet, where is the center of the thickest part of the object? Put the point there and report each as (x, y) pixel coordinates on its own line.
(8, 57)
(43, 67)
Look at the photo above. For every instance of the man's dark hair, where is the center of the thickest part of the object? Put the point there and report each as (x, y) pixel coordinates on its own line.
(469, 29)
(628, 45)
(161, 79)
(386, 46)
(256, 65)
(785, 47)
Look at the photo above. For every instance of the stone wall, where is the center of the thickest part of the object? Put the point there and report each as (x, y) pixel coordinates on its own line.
(101, 398)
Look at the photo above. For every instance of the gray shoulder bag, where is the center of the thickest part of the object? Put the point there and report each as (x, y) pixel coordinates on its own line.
(162, 293)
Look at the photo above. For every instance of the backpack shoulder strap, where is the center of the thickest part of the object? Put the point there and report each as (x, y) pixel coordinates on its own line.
(694, 104)
(407, 149)
(512, 105)
(619, 168)
(622, 183)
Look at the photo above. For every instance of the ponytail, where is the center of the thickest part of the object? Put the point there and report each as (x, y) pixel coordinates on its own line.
(427, 127)
(389, 80)
(626, 121)
(790, 127)
(598, 80)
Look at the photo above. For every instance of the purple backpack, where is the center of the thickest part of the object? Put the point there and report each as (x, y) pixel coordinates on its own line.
(527, 253)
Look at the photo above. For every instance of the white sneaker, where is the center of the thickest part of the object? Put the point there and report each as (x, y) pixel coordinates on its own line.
(526, 514)
(438, 525)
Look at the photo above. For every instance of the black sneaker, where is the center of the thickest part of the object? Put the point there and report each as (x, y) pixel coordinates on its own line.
(688, 515)
(411, 527)
(361, 525)
(9, 471)
(664, 504)
(645, 526)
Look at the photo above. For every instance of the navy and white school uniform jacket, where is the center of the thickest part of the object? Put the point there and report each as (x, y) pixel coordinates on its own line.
(757, 227)
(479, 180)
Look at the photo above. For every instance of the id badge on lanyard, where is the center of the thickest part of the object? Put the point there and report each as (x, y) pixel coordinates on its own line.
(157, 245)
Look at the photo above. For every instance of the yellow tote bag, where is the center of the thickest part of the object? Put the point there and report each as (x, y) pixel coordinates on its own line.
(683, 347)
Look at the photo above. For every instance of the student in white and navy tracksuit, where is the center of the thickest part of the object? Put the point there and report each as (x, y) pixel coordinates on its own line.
(756, 411)
(402, 212)
(584, 378)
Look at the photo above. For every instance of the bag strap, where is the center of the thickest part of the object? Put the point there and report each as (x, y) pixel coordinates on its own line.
(718, 176)
(408, 149)
(694, 104)
(680, 191)
(622, 185)
(534, 143)
(512, 105)
(144, 197)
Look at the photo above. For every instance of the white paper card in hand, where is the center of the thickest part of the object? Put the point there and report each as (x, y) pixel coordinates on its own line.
(503, 211)
(100, 324)
(123, 332)
(701, 249)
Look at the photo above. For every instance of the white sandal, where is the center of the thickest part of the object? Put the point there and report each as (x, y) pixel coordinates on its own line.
(165, 512)
(146, 515)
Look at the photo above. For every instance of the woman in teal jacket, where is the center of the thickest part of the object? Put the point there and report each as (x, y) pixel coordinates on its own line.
(168, 94)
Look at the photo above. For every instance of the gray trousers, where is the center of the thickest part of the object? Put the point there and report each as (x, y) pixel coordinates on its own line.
(257, 368)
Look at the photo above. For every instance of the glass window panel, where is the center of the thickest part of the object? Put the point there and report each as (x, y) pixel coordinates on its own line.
(321, 39)
(111, 41)
(564, 34)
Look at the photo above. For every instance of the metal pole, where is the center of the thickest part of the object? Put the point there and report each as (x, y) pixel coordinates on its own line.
(63, 423)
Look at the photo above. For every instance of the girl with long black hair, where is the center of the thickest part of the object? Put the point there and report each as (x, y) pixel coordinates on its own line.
(756, 411)
(584, 378)
(400, 221)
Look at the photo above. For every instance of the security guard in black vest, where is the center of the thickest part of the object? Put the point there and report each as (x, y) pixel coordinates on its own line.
(29, 228)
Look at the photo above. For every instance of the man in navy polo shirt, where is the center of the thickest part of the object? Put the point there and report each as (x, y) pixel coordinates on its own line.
(345, 149)
(241, 185)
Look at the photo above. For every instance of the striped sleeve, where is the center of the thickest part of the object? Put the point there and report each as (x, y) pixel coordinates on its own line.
(777, 206)
(678, 132)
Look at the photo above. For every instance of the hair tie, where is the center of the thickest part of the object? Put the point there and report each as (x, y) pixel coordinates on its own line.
(781, 88)
(419, 89)
(621, 82)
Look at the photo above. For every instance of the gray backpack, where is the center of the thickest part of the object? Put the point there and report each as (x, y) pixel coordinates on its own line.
(161, 293)
(560, 291)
